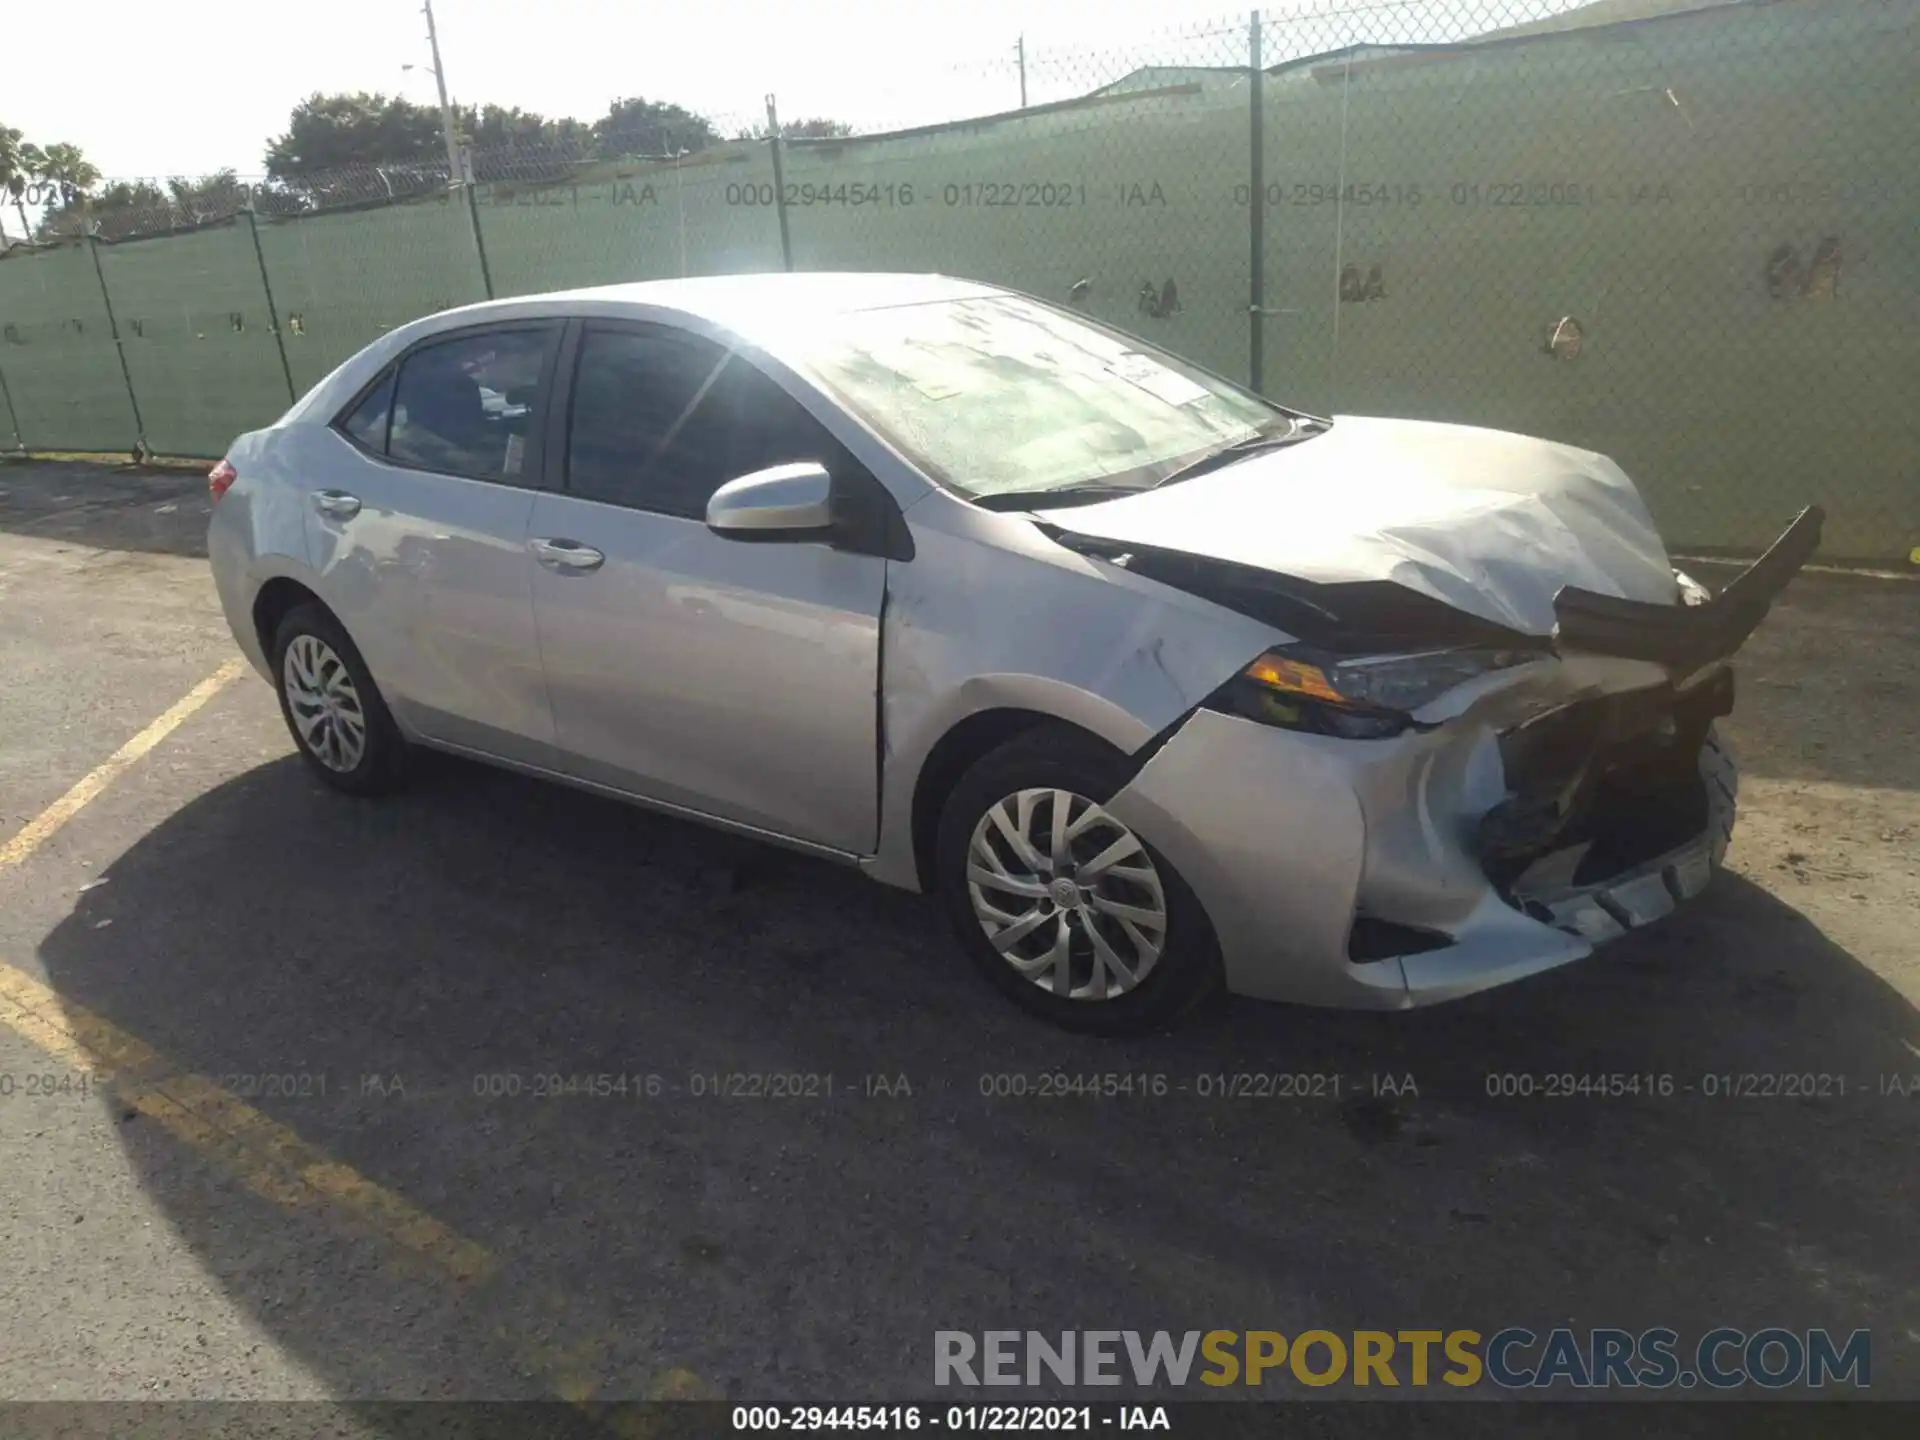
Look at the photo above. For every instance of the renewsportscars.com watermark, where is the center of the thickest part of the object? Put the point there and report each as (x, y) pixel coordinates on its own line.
(1515, 1358)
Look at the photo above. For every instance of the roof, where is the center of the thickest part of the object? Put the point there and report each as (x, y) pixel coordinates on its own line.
(758, 307)
(726, 298)
(1604, 12)
(1594, 15)
(768, 309)
(1151, 77)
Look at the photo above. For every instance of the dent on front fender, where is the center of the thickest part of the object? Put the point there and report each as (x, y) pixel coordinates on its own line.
(1013, 621)
(1267, 829)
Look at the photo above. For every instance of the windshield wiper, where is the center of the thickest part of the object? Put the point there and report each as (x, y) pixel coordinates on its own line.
(1084, 494)
(1091, 491)
(1239, 450)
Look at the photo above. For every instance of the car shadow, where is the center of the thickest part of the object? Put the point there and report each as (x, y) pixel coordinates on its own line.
(107, 507)
(1259, 1167)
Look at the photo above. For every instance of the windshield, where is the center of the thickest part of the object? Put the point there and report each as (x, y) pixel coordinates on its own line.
(997, 394)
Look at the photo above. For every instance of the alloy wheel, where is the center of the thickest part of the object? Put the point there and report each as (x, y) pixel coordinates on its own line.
(1066, 894)
(325, 704)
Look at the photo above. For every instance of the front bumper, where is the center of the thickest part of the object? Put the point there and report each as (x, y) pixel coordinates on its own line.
(1286, 838)
(1544, 809)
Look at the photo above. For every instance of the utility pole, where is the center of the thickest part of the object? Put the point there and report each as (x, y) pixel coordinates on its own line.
(1256, 214)
(455, 170)
(457, 177)
(779, 185)
(1020, 48)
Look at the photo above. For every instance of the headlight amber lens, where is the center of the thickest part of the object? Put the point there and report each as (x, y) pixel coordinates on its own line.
(1388, 682)
(1276, 672)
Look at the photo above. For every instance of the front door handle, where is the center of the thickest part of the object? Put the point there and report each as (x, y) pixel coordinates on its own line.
(336, 503)
(568, 556)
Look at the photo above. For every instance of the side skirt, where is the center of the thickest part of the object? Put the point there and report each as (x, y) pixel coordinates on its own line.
(663, 807)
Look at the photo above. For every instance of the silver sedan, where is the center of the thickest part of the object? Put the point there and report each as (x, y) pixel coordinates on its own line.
(1160, 686)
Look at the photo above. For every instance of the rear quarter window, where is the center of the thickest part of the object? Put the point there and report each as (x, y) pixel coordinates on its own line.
(368, 421)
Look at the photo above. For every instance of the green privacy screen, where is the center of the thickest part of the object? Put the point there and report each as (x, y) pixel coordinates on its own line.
(1690, 243)
(57, 354)
(192, 315)
(647, 223)
(340, 282)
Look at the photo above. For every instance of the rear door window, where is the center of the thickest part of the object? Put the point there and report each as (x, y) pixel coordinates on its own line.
(468, 405)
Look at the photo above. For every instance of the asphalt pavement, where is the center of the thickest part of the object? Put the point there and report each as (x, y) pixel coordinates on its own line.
(494, 1090)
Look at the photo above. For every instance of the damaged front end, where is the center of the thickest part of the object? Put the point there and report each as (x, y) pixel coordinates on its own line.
(1618, 807)
(1621, 806)
(1571, 788)
(1610, 798)
(1685, 637)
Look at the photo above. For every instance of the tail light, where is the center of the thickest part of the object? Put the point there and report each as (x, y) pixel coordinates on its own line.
(219, 478)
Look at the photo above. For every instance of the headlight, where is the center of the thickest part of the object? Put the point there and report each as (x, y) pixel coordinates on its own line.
(1363, 699)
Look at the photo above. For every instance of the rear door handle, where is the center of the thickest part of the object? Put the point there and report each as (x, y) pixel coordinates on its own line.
(336, 503)
(568, 556)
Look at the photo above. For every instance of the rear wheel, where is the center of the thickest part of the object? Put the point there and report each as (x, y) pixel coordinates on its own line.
(331, 705)
(1062, 906)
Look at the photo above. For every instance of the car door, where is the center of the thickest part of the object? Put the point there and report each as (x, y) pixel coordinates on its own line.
(419, 536)
(736, 680)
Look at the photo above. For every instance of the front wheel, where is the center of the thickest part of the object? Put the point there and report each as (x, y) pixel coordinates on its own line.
(1059, 904)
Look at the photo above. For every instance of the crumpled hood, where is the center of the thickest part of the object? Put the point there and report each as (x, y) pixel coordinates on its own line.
(1485, 521)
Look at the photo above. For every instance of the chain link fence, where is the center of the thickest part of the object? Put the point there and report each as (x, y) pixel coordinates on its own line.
(1677, 231)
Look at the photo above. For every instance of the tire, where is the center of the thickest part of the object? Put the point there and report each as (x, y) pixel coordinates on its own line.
(977, 863)
(377, 763)
(1720, 770)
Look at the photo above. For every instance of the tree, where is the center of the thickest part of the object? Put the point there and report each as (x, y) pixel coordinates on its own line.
(211, 197)
(406, 144)
(817, 127)
(123, 208)
(513, 144)
(398, 147)
(15, 173)
(335, 132)
(635, 128)
(500, 127)
(70, 173)
(64, 176)
(120, 209)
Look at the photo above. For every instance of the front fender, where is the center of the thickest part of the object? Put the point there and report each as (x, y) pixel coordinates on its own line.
(1010, 620)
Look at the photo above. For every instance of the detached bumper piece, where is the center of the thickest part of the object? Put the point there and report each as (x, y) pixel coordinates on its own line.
(1686, 637)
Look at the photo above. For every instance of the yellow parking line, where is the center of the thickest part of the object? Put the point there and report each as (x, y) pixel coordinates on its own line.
(36, 830)
(275, 1163)
(267, 1157)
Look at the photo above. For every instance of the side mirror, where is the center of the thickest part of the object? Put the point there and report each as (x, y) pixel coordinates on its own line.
(782, 502)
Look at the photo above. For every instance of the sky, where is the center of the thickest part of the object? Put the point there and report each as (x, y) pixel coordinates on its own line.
(193, 86)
